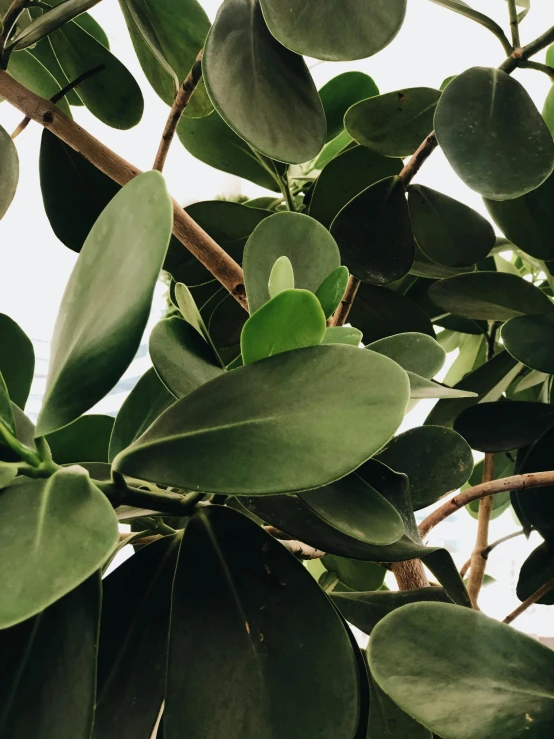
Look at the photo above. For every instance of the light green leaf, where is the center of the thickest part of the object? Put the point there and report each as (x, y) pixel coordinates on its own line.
(95, 338)
(343, 335)
(327, 400)
(417, 353)
(281, 277)
(332, 149)
(85, 440)
(50, 21)
(9, 163)
(17, 360)
(421, 387)
(470, 347)
(548, 110)
(31, 73)
(341, 93)
(332, 289)
(354, 573)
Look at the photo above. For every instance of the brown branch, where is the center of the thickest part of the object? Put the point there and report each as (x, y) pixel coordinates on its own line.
(487, 550)
(187, 231)
(423, 152)
(177, 109)
(531, 600)
(410, 575)
(300, 550)
(516, 57)
(342, 312)
(478, 562)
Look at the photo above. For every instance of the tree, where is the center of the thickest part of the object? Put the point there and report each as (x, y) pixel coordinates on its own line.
(265, 438)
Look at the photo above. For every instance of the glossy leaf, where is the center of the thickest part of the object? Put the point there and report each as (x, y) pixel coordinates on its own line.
(414, 647)
(95, 339)
(236, 417)
(537, 504)
(226, 617)
(342, 92)
(354, 573)
(48, 668)
(447, 231)
(293, 319)
(537, 569)
(31, 73)
(85, 440)
(311, 249)
(332, 289)
(51, 20)
(9, 161)
(529, 340)
(325, 30)
(494, 296)
(281, 277)
(492, 134)
(396, 123)
(417, 353)
(374, 233)
(17, 360)
(342, 335)
(262, 90)
(55, 533)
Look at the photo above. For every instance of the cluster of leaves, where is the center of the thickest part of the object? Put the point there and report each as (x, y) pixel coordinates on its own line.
(275, 421)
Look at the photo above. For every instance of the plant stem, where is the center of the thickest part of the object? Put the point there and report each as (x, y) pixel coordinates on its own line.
(181, 101)
(485, 553)
(475, 15)
(416, 161)
(478, 562)
(410, 575)
(285, 190)
(341, 314)
(531, 600)
(525, 64)
(171, 504)
(516, 57)
(514, 24)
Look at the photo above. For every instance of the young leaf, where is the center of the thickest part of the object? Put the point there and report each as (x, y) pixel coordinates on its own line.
(343, 335)
(84, 440)
(9, 163)
(529, 340)
(50, 21)
(262, 90)
(17, 360)
(327, 400)
(189, 310)
(281, 277)
(417, 353)
(499, 154)
(341, 93)
(95, 338)
(332, 289)
(293, 319)
(55, 533)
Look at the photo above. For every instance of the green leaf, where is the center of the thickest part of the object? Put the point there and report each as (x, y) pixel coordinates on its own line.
(501, 427)
(341, 93)
(44, 52)
(111, 94)
(436, 461)
(48, 668)
(132, 657)
(497, 153)
(417, 353)
(96, 339)
(396, 123)
(548, 110)
(146, 401)
(263, 91)
(387, 721)
(9, 162)
(24, 433)
(213, 142)
(355, 574)
(50, 21)
(17, 360)
(181, 356)
(281, 277)
(471, 348)
(85, 440)
(226, 619)
(346, 176)
(55, 533)
(311, 249)
(8, 472)
(374, 233)
(461, 7)
(447, 231)
(537, 569)
(505, 676)
(332, 289)
(29, 71)
(343, 335)
(293, 319)
(6, 413)
(335, 32)
(529, 340)
(327, 400)
(537, 504)
(494, 296)
(343, 141)
(420, 387)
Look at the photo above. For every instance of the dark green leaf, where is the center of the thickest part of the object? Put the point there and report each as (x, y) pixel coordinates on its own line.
(324, 30)
(374, 233)
(44, 52)
(96, 339)
(529, 340)
(85, 440)
(55, 533)
(505, 676)
(341, 93)
(548, 110)
(326, 400)
(537, 504)
(354, 573)
(396, 123)
(7, 420)
(461, 7)
(9, 162)
(48, 668)
(241, 603)
(31, 73)
(417, 353)
(17, 360)
(50, 20)
(387, 721)
(343, 335)
(262, 90)
(332, 289)
(24, 432)
(537, 569)
(493, 135)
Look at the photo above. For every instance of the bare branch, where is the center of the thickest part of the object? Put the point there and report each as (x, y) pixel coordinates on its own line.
(531, 600)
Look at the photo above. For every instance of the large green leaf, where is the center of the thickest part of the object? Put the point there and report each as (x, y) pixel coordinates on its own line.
(132, 657)
(9, 163)
(329, 401)
(529, 340)
(537, 569)
(355, 573)
(537, 504)
(85, 440)
(48, 668)
(501, 427)
(340, 93)
(111, 94)
(324, 29)
(181, 357)
(50, 21)
(345, 177)
(311, 249)
(29, 71)
(493, 135)
(447, 231)
(388, 721)
(374, 233)
(241, 606)
(262, 90)
(505, 677)
(17, 360)
(414, 352)
(396, 123)
(494, 296)
(55, 533)
(96, 338)
(44, 52)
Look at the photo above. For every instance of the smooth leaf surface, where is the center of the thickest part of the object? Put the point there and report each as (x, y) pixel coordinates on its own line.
(271, 408)
(341, 93)
(96, 339)
(332, 289)
(505, 676)
(31, 73)
(420, 388)
(85, 440)
(537, 569)
(17, 360)
(263, 91)
(414, 352)
(281, 277)
(55, 533)
(493, 135)
(537, 504)
(9, 162)
(388, 721)
(354, 573)
(529, 340)
(51, 20)
(7, 420)
(342, 335)
(241, 604)
(44, 52)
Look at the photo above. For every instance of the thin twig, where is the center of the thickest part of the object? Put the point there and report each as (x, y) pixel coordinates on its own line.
(487, 550)
(544, 68)
(516, 57)
(531, 600)
(181, 101)
(479, 563)
(300, 550)
(422, 153)
(341, 314)
(514, 24)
